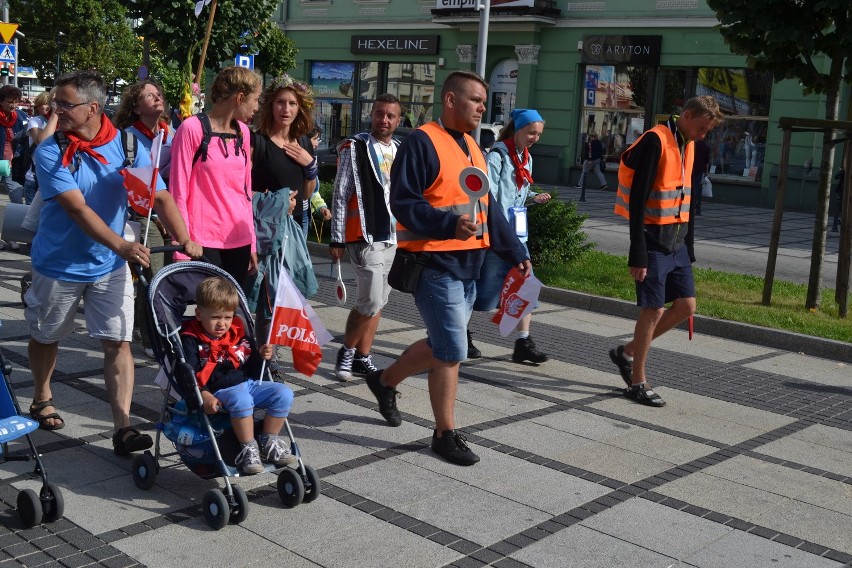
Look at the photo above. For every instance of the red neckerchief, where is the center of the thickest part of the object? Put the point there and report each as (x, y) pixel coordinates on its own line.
(521, 172)
(211, 351)
(164, 128)
(8, 120)
(75, 144)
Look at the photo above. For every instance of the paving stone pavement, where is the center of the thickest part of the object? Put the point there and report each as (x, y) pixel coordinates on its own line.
(749, 464)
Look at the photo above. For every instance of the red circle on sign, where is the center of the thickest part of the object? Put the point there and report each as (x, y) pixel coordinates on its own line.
(473, 182)
(340, 292)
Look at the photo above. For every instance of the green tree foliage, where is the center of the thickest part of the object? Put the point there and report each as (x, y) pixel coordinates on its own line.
(556, 234)
(277, 51)
(96, 35)
(807, 40)
(172, 27)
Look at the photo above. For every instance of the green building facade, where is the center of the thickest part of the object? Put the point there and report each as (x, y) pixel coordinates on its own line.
(609, 67)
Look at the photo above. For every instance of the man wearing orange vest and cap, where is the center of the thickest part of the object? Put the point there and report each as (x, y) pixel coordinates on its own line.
(361, 224)
(654, 194)
(433, 215)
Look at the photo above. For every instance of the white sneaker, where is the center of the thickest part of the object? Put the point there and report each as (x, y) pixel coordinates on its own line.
(277, 452)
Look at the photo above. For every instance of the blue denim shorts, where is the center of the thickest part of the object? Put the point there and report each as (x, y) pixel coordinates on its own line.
(489, 285)
(669, 278)
(445, 304)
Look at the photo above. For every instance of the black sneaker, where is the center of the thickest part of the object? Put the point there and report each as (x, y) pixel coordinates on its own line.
(625, 365)
(604, 187)
(472, 351)
(643, 394)
(453, 447)
(362, 366)
(343, 366)
(386, 396)
(525, 350)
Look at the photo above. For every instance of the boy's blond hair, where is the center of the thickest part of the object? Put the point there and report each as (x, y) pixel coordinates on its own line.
(216, 293)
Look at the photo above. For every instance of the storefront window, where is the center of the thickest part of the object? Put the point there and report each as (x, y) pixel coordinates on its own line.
(738, 144)
(333, 87)
(613, 107)
(414, 85)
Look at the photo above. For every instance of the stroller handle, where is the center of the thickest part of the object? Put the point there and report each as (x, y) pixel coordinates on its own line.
(137, 268)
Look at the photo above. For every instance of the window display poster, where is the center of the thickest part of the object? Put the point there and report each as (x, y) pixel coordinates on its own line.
(332, 80)
(607, 89)
(637, 126)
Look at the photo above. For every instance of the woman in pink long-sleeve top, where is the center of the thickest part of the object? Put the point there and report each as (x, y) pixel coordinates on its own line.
(212, 185)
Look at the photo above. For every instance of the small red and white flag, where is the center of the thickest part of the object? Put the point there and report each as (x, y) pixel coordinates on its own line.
(140, 183)
(296, 324)
(517, 299)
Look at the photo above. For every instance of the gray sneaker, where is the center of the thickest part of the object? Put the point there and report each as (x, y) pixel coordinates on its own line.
(277, 452)
(248, 460)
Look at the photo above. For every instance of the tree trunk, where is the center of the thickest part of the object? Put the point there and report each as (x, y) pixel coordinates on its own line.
(832, 110)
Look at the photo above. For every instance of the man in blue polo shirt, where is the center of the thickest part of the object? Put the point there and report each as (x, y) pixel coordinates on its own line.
(80, 253)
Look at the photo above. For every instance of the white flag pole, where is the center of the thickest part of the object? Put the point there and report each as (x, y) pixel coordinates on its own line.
(272, 316)
(152, 187)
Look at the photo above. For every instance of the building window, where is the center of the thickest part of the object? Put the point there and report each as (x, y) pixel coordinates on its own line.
(613, 107)
(737, 145)
(333, 84)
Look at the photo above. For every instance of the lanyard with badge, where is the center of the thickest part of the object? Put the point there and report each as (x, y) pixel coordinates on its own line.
(518, 212)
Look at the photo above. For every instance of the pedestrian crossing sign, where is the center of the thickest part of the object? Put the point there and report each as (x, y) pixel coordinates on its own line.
(7, 52)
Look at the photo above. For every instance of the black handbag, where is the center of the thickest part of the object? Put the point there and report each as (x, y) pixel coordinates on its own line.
(406, 269)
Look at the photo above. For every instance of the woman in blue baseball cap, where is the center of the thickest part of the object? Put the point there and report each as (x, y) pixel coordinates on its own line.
(510, 175)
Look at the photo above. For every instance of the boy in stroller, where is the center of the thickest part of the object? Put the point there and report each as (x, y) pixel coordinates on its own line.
(225, 360)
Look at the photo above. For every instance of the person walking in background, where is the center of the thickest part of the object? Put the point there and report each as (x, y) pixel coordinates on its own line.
(592, 154)
(837, 199)
(210, 173)
(433, 216)
(13, 142)
(510, 177)
(41, 125)
(141, 113)
(363, 226)
(316, 203)
(80, 254)
(283, 162)
(654, 195)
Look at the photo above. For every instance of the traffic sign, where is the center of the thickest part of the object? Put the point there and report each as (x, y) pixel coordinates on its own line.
(7, 31)
(7, 52)
(246, 61)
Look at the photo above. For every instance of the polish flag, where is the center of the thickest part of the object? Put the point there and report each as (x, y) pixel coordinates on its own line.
(140, 183)
(295, 323)
(517, 299)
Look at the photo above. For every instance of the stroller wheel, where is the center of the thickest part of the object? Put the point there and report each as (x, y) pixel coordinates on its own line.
(239, 511)
(291, 489)
(215, 508)
(29, 508)
(52, 503)
(313, 486)
(144, 471)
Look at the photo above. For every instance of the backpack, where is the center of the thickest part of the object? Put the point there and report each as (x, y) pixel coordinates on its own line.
(207, 133)
(128, 143)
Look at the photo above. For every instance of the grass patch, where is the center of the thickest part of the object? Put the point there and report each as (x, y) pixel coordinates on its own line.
(722, 295)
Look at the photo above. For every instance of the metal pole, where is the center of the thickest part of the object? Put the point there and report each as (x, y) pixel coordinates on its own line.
(484, 8)
(6, 19)
(15, 75)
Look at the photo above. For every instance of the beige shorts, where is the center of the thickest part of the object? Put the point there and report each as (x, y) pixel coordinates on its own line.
(108, 306)
(372, 264)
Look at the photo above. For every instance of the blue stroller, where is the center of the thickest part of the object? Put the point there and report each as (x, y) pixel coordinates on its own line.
(47, 505)
(205, 444)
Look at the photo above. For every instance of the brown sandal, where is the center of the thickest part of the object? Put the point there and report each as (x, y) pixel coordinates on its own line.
(42, 419)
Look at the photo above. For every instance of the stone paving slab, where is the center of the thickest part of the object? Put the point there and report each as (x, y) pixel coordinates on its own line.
(744, 467)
